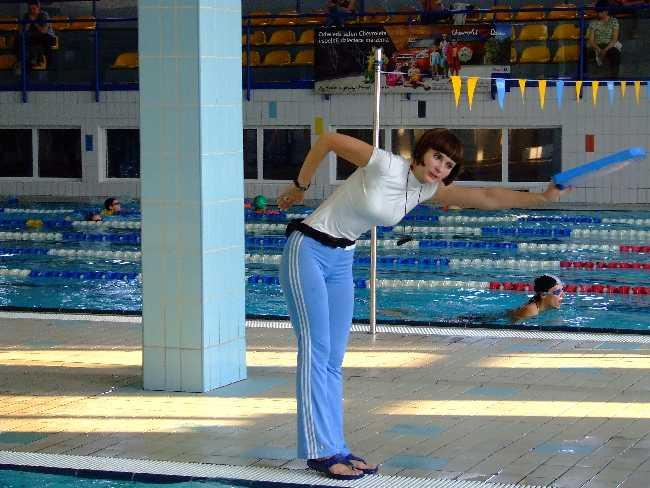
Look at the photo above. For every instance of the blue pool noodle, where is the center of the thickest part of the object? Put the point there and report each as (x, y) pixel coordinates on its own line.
(565, 178)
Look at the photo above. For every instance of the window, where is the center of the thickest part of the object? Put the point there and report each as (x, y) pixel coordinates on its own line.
(250, 154)
(534, 154)
(122, 153)
(284, 152)
(345, 168)
(481, 151)
(59, 153)
(16, 153)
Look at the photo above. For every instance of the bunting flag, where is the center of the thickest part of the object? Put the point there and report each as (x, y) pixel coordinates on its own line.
(559, 89)
(637, 91)
(578, 90)
(501, 91)
(623, 87)
(594, 91)
(471, 86)
(541, 90)
(456, 85)
(610, 91)
(522, 89)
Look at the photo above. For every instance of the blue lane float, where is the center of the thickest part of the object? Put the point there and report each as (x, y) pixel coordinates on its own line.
(131, 238)
(404, 261)
(83, 275)
(525, 231)
(567, 220)
(431, 243)
(23, 250)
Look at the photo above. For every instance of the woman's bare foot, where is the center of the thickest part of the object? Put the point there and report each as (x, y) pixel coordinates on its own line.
(361, 465)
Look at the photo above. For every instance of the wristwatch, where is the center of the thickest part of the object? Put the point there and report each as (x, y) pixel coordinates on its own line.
(299, 186)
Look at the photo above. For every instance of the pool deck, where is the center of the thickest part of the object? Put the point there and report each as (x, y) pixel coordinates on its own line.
(550, 412)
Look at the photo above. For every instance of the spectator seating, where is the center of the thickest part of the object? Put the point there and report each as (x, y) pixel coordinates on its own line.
(564, 32)
(255, 59)
(569, 53)
(381, 17)
(513, 55)
(499, 16)
(318, 19)
(306, 37)
(282, 37)
(527, 16)
(8, 25)
(261, 18)
(258, 38)
(126, 61)
(293, 20)
(535, 54)
(413, 15)
(277, 58)
(569, 13)
(7, 62)
(304, 57)
(60, 22)
(533, 32)
(81, 23)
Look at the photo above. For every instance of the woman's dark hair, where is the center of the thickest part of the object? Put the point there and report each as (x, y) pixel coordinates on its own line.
(444, 141)
(108, 202)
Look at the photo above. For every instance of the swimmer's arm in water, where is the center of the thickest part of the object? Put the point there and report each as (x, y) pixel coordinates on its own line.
(495, 198)
(350, 148)
(524, 312)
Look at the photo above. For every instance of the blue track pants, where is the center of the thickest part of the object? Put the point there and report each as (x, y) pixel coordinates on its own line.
(317, 283)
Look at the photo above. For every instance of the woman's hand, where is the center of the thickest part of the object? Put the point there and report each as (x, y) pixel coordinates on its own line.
(291, 195)
(553, 193)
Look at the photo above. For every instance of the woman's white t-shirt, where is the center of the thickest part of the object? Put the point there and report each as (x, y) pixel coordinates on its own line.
(380, 193)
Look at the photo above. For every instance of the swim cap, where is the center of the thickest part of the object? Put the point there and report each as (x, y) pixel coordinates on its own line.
(259, 202)
(545, 282)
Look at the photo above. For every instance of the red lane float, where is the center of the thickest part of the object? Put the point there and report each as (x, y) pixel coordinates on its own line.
(628, 248)
(603, 265)
(576, 288)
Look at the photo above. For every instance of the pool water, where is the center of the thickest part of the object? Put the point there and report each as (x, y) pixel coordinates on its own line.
(26, 479)
(479, 250)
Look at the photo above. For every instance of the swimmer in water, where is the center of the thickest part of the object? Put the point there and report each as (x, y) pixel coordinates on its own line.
(549, 293)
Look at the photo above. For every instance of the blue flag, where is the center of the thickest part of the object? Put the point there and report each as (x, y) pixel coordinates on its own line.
(501, 91)
(559, 90)
(610, 89)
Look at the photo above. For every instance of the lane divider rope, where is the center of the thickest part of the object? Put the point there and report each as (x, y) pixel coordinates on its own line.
(475, 285)
(81, 253)
(130, 238)
(71, 274)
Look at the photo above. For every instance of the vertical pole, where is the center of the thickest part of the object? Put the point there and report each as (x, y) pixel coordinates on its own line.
(373, 232)
(98, 81)
(24, 57)
(248, 60)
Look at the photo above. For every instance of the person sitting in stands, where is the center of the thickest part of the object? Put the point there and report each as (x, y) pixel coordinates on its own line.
(415, 77)
(39, 36)
(549, 293)
(340, 11)
(602, 39)
(112, 206)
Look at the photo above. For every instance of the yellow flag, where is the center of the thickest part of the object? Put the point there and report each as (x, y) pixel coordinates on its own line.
(471, 86)
(578, 89)
(623, 87)
(522, 89)
(541, 88)
(455, 83)
(637, 91)
(594, 91)
(318, 125)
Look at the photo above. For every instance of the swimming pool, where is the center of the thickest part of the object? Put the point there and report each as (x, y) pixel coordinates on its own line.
(461, 268)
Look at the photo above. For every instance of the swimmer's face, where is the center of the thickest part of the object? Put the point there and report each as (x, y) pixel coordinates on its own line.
(435, 167)
(116, 206)
(554, 296)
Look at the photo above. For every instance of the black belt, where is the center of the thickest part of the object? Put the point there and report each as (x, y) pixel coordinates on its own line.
(325, 239)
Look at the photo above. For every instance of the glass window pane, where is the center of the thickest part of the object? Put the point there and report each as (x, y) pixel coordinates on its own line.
(284, 152)
(123, 153)
(534, 154)
(481, 151)
(15, 153)
(250, 154)
(59, 153)
(345, 168)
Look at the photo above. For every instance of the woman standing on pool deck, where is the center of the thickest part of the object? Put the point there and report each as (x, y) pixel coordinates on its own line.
(316, 270)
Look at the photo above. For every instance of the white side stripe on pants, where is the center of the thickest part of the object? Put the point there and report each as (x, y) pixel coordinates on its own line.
(305, 373)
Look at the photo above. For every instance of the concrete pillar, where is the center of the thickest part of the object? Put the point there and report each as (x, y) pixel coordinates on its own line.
(192, 194)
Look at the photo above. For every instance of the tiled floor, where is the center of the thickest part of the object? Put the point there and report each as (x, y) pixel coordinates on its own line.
(562, 413)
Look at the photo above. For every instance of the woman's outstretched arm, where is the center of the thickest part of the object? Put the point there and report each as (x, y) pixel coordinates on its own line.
(494, 198)
(350, 148)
